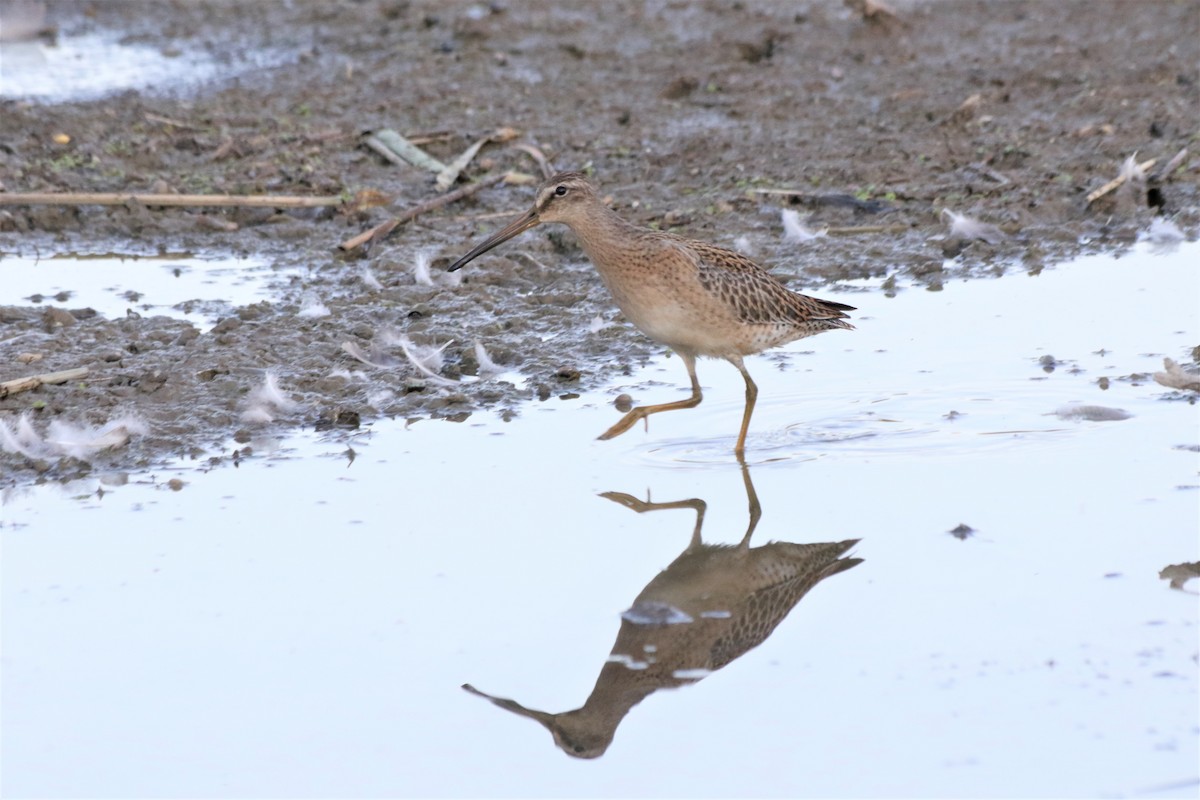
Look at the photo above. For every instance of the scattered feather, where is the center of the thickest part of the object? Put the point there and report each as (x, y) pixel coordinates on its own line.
(368, 277)
(266, 400)
(381, 398)
(598, 324)
(1131, 170)
(427, 359)
(486, 365)
(742, 245)
(794, 230)
(269, 394)
(68, 439)
(313, 308)
(1163, 234)
(21, 438)
(967, 228)
(82, 440)
(1176, 377)
(420, 269)
(375, 358)
(257, 415)
(1092, 413)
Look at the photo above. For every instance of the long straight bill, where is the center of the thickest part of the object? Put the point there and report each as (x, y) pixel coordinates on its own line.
(517, 226)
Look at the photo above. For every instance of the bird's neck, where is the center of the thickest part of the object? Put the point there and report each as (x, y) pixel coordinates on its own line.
(606, 238)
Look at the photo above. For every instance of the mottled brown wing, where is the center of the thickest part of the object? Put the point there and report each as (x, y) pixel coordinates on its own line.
(756, 295)
(800, 567)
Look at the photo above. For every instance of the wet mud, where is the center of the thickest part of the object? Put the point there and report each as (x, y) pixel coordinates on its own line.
(686, 114)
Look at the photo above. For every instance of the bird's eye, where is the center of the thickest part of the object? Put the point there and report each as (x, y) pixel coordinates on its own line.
(559, 191)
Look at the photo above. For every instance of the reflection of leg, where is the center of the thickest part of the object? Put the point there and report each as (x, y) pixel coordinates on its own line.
(641, 506)
(641, 412)
(751, 397)
(752, 498)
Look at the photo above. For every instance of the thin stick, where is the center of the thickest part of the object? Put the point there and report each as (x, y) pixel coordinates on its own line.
(1117, 181)
(34, 381)
(447, 177)
(119, 199)
(1169, 167)
(174, 123)
(381, 231)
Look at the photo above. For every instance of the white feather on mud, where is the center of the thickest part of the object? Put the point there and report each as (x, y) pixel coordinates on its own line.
(427, 359)
(20, 438)
(368, 277)
(967, 228)
(375, 357)
(313, 308)
(1163, 235)
(380, 398)
(794, 230)
(269, 393)
(267, 399)
(742, 245)
(69, 439)
(452, 278)
(82, 440)
(1131, 171)
(598, 324)
(486, 365)
(258, 415)
(420, 268)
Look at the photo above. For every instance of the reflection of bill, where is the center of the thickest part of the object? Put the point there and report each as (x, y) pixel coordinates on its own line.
(709, 606)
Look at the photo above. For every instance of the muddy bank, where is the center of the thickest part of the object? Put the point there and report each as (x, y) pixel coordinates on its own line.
(1009, 112)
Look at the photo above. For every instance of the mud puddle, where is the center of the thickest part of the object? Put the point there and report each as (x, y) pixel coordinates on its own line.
(306, 618)
(87, 65)
(199, 290)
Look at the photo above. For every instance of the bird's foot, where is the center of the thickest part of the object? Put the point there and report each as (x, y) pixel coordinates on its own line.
(625, 423)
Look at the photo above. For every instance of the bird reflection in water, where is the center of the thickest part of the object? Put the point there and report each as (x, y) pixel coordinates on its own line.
(709, 606)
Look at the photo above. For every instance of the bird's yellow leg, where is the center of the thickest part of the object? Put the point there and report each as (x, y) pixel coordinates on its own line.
(751, 398)
(641, 412)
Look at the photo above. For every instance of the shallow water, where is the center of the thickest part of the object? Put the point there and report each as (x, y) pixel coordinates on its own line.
(301, 624)
(90, 65)
(199, 290)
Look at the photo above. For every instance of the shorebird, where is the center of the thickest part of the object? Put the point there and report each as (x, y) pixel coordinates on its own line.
(710, 606)
(696, 298)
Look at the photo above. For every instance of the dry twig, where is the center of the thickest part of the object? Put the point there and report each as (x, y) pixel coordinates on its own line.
(34, 381)
(123, 198)
(381, 231)
(1117, 181)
